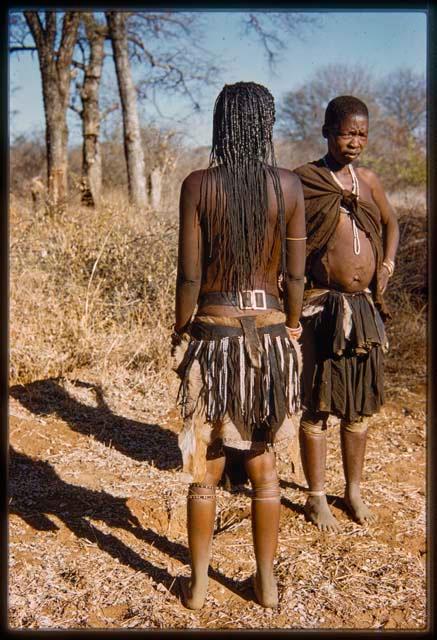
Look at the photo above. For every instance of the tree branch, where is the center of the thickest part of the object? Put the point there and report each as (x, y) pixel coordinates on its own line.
(21, 48)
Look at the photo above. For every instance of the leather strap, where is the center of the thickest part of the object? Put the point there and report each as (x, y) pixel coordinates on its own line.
(242, 300)
(204, 331)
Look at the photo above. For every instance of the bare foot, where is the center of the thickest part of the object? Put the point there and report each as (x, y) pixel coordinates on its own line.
(359, 511)
(266, 590)
(193, 594)
(318, 511)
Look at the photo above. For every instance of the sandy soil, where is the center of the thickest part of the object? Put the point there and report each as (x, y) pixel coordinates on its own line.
(97, 522)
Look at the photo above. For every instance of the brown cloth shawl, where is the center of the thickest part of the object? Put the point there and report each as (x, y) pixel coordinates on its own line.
(323, 198)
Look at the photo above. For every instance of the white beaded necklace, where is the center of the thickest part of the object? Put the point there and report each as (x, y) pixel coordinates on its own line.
(356, 191)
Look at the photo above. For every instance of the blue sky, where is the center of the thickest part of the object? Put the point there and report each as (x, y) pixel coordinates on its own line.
(381, 41)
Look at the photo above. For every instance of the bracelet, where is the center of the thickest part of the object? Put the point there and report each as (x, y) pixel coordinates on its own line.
(304, 238)
(296, 332)
(390, 266)
(176, 337)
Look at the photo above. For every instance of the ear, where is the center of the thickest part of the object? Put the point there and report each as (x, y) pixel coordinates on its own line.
(325, 131)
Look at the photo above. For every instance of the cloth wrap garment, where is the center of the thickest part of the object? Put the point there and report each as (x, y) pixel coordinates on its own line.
(240, 384)
(323, 197)
(343, 344)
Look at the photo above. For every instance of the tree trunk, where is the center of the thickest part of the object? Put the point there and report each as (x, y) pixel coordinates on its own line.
(55, 73)
(155, 187)
(91, 158)
(128, 96)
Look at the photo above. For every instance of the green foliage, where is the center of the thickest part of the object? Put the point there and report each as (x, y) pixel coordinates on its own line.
(411, 169)
(398, 163)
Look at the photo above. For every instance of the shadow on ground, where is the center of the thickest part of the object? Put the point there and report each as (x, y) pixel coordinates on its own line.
(36, 492)
(138, 440)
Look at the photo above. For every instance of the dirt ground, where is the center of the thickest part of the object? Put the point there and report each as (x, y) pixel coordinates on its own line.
(97, 521)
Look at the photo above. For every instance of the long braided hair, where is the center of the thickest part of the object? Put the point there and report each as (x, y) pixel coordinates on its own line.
(242, 151)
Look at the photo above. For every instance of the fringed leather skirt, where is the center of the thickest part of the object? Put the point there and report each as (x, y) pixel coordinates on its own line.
(240, 384)
(344, 342)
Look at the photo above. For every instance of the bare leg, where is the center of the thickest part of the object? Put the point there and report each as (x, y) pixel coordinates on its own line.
(353, 447)
(200, 524)
(313, 454)
(312, 440)
(266, 505)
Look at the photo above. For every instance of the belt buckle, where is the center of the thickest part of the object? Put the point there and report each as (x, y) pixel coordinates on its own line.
(252, 293)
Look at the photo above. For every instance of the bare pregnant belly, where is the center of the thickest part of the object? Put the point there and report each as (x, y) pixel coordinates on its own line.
(339, 267)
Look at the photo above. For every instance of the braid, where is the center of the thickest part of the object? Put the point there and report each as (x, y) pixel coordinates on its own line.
(242, 150)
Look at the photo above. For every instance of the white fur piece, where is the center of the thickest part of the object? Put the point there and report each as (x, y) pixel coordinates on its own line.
(298, 351)
(242, 372)
(281, 353)
(187, 445)
(311, 310)
(347, 318)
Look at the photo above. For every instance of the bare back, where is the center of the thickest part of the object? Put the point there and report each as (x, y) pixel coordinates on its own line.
(266, 276)
(200, 273)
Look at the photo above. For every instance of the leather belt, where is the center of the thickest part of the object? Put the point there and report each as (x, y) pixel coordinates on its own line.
(255, 299)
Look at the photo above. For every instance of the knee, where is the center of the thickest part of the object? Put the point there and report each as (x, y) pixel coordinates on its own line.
(214, 471)
(357, 426)
(261, 469)
(313, 424)
(215, 464)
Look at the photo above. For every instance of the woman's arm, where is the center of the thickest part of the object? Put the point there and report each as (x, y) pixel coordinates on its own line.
(295, 246)
(189, 275)
(389, 222)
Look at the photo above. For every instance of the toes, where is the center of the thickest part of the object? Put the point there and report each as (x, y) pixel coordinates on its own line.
(328, 527)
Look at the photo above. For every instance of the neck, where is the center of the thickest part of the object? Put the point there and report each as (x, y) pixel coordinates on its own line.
(333, 164)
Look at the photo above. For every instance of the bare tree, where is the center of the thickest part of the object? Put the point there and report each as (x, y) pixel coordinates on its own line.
(132, 140)
(273, 28)
(55, 65)
(402, 94)
(92, 48)
(163, 43)
(302, 111)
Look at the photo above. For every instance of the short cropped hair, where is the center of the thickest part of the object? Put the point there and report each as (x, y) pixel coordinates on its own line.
(339, 108)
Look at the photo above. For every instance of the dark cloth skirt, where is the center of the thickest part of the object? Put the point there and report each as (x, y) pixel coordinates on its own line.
(343, 352)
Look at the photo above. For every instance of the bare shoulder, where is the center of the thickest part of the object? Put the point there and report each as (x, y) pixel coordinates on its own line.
(290, 182)
(368, 176)
(193, 180)
(289, 177)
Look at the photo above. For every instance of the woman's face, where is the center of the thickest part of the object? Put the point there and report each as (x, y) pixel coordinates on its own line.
(348, 139)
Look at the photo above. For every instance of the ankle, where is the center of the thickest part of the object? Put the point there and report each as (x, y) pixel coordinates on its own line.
(265, 573)
(316, 494)
(352, 489)
(199, 576)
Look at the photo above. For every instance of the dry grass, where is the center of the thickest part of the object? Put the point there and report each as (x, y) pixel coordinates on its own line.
(91, 289)
(408, 300)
